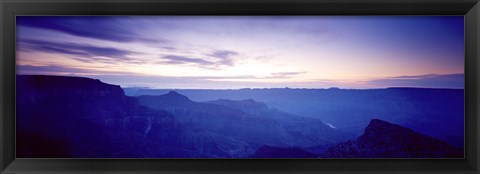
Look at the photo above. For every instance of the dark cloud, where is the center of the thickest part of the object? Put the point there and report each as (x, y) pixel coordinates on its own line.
(225, 77)
(171, 48)
(51, 69)
(28, 69)
(56, 69)
(215, 61)
(225, 57)
(49, 47)
(85, 53)
(223, 54)
(174, 59)
(97, 27)
(284, 74)
(415, 77)
(430, 80)
(276, 76)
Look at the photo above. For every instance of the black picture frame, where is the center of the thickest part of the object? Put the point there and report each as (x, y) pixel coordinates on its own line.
(10, 8)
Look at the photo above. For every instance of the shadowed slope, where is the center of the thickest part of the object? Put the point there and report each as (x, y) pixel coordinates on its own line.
(83, 117)
(385, 140)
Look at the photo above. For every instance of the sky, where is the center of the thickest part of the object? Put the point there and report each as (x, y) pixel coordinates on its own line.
(232, 52)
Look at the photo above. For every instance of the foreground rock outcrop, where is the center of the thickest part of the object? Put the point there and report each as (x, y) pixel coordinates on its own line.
(385, 140)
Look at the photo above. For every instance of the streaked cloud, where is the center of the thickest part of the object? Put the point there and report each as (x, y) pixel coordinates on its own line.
(223, 54)
(285, 74)
(63, 70)
(175, 59)
(213, 60)
(225, 57)
(296, 51)
(29, 69)
(103, 28)
(429, 80)
(81, 52)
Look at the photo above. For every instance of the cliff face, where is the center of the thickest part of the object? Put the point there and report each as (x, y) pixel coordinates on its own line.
(352, 109)
(385, 140)
(309, 133)
(249, 121)
(219, 120)
(57, 101)
(66, 94)
(83, 117)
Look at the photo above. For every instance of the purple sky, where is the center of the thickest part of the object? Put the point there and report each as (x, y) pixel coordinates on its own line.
(247, 52)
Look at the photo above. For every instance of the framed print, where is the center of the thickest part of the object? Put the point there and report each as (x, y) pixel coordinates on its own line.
(253, 86)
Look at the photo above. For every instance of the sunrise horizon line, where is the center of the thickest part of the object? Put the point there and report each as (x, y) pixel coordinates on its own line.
(243, 88)
(290, 88)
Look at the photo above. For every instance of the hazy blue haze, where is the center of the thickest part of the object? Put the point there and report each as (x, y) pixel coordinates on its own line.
(74, 117)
